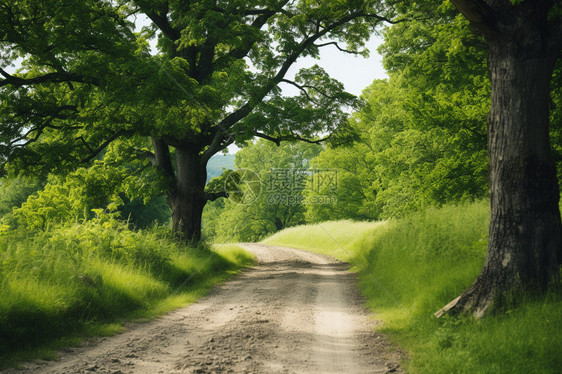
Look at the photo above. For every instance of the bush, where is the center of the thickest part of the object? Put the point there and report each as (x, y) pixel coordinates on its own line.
(65, 280)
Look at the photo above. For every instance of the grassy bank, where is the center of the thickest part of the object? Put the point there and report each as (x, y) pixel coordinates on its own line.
(410, 268)
(69, 282)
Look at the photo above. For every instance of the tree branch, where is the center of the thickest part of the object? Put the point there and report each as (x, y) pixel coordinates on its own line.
(149, 155)
(205, 67)
(221, 139)
(95, 152)
(305, 86)
(479, 13)
(385, 19)
(212, 196)
(338, 47)
(47, 123)
(247, 108)
(259, 22)
(292, 137)
(301, 88)
(160, 19)
(58, 77)
(162, 157)
(14, 142)
(81, 138)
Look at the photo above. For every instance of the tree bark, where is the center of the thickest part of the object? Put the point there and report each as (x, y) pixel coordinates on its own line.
(187, 199)
(525, 242)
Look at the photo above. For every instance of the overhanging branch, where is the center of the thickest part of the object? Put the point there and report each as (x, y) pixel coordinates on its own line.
(385, 19)
(338, 47)
(305, 86)
(59, 77)
(300, 87)
(292, 137)
(94, 152)
(247, 108)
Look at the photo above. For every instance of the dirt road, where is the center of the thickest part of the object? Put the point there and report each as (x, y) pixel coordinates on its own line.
(294, 312)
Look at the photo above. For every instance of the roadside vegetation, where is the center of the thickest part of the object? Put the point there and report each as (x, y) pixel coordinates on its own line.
(409, 268)
(80, 279)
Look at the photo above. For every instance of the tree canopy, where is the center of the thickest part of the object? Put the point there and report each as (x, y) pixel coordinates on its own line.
(423, 131)
(89, 78)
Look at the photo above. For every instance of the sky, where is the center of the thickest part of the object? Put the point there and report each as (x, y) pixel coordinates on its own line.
(355, 72)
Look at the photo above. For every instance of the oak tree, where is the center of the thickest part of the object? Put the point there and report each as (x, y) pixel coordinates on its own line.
(524, 39)
(88, 78)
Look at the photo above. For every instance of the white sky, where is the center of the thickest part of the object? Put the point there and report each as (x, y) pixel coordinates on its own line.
(355, 72)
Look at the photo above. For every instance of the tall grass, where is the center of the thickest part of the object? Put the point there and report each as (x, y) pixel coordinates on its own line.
(410, 268)
(80, 279)
(336, 238)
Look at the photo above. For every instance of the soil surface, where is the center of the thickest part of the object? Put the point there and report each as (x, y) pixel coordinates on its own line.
(294, 312)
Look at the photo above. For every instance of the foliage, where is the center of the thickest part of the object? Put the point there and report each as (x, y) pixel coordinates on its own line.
(72, 198)
(423, 138)
(282, 173)
(88, 77)
(142, 215)
(351, 195)
(409, 268)
(15, 192)
(76, 278)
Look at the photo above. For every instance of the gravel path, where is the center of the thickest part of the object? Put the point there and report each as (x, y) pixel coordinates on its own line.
(294, 312)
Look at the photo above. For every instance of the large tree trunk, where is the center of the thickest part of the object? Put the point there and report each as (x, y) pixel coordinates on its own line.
(525, 243)
(187, 198)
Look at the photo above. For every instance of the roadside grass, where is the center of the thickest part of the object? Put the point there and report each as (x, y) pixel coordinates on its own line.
(409, 268)
(334, 238)
(71, 282)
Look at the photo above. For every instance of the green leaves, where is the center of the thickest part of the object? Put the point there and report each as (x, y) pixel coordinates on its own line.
(257, 206)
(319, 108)
(423, 135)
(87, 54)
(90, 77)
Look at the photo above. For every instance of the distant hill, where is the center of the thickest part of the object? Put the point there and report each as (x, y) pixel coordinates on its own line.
(218, 163)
